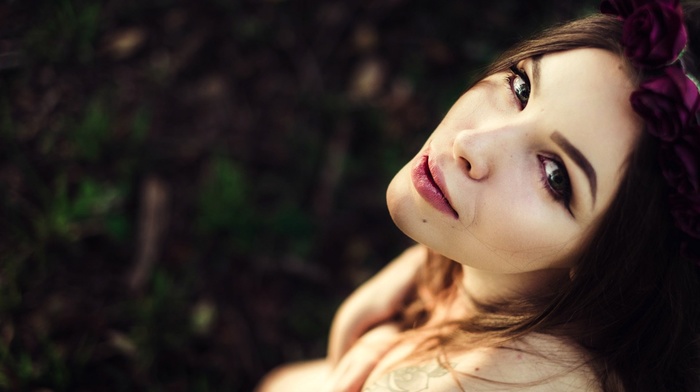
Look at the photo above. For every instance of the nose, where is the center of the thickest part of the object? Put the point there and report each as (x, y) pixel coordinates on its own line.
(477, 151)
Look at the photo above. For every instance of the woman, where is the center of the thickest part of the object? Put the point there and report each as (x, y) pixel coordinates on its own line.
(556, 208)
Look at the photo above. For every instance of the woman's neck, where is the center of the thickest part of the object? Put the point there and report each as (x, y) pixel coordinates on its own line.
(486, 287)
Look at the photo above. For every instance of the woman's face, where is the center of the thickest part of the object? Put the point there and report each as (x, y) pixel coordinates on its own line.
(520, 169)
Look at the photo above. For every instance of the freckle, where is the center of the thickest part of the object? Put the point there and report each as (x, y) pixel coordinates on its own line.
(425, 221)
(476, 369)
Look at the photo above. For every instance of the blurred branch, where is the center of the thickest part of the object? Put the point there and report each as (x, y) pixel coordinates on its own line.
(151, 225)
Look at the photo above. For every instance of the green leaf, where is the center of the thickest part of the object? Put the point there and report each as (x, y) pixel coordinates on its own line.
(93, 132)
(224, 204)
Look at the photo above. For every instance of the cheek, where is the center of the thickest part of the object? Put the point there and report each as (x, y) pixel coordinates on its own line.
(527, 227)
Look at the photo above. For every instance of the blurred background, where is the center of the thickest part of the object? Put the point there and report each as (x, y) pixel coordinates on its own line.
(188, 189)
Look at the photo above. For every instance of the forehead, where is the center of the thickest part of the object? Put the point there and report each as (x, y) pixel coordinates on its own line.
(586, 95)
(600, 79)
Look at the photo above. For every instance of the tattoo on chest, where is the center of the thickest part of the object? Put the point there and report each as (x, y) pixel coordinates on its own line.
(408, 379)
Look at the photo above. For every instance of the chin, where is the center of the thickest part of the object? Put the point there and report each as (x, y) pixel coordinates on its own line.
(398, 200)
(407, 215)
(401, 203)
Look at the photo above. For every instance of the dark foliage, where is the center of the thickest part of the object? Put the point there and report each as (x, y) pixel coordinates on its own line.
(188, 189)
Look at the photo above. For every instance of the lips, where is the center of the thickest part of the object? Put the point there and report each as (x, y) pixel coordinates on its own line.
(429, 183)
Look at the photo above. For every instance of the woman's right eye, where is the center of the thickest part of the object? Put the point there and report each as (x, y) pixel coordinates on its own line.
(519, 85)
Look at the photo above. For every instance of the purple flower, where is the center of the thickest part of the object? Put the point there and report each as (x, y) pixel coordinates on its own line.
(654, 35)
(680, 163)
(625, 8)
(667, 102)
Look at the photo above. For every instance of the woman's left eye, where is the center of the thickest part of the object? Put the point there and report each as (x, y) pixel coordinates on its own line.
(556, 180)
(520, 85)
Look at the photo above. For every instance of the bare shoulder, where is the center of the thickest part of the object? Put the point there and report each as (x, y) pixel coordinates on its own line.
(413, 254)
(537, 363)
(405, 265)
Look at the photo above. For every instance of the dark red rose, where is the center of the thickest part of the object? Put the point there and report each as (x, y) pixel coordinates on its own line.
(667, 102)
(680, 163)
(625, 8)
(653, 35)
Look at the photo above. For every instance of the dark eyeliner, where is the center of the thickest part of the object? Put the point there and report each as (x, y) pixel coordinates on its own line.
(515, 71)
(520, 72)
(563, 197)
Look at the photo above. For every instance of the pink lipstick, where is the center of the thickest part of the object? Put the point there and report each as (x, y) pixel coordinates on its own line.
(428, 180)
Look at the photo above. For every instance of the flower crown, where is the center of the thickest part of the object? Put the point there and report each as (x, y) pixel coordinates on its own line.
(653, 39)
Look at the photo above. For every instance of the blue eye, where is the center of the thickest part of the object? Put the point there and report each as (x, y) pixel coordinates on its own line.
(556, 180)
(519, 85)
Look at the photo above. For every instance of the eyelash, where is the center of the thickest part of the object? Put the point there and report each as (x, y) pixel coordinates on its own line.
(510, 78)
(563, 197)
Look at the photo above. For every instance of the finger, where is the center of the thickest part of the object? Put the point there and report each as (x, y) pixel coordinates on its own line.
(353, 369)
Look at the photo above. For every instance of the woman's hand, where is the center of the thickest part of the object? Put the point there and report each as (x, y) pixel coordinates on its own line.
(376, 301)
(355, 366)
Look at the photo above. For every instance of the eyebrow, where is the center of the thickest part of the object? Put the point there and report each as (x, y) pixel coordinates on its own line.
(579, 159)
(536, 71)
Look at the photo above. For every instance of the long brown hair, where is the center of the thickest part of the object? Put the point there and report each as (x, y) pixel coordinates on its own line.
(632, 300)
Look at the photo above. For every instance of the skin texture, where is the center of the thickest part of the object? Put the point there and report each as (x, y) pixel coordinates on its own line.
(558, 368)
(511, 236)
